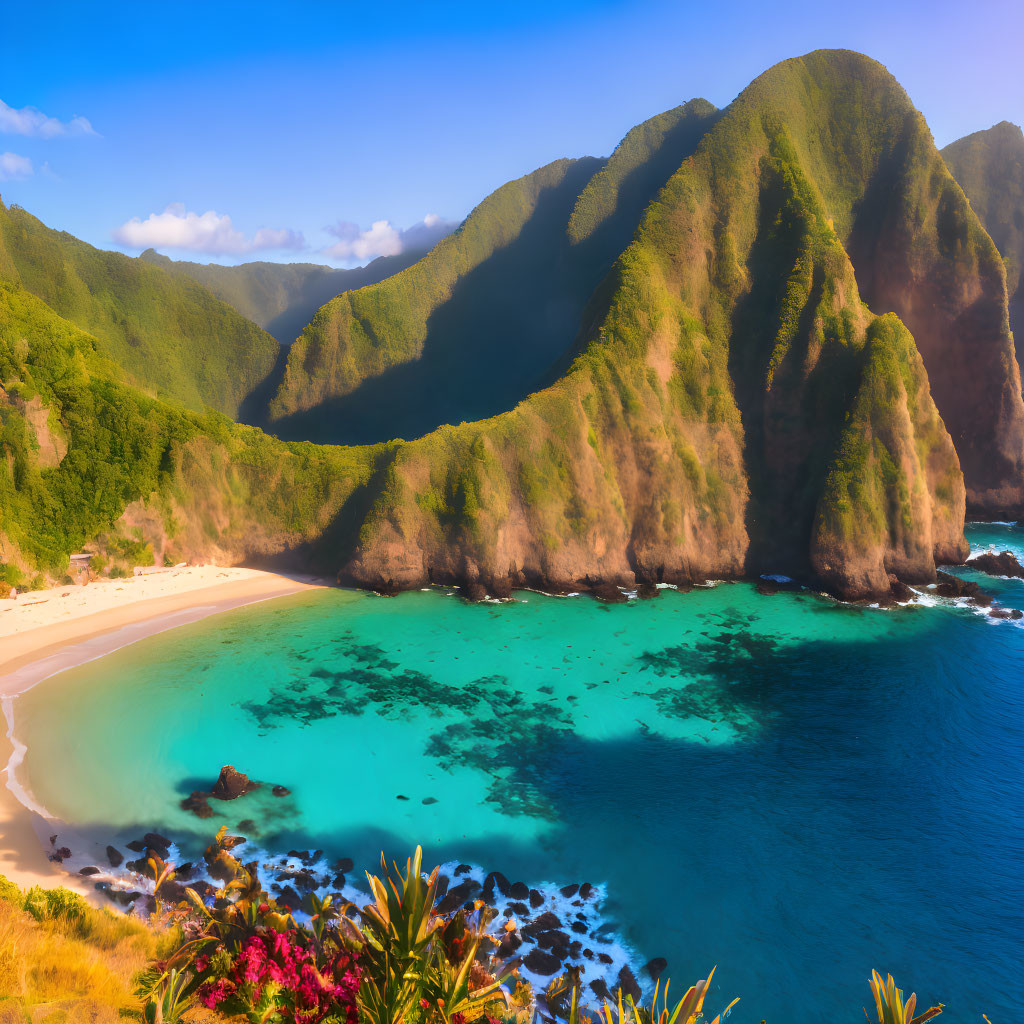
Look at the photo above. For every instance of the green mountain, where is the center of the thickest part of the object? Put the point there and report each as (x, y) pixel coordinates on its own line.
(733, 347)
(490, 314)
(989, 167)
(281, 297)
(169, 335)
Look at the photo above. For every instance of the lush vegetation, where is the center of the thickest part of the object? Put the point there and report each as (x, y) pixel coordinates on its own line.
(168, 334)
(240, 956)
(79, 446)
(280, 297)
(729, 404)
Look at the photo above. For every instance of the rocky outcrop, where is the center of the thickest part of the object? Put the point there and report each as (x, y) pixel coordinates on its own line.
(230, 785)
(1002, 563)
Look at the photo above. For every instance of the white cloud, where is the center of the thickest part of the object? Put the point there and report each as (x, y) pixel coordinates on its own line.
(14, 167)
(383, 239)
(209, 232)
(29, 121)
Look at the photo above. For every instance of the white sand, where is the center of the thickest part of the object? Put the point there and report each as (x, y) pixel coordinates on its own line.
(47, 631)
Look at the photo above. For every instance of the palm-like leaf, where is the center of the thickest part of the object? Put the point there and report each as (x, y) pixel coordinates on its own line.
(889, 1004)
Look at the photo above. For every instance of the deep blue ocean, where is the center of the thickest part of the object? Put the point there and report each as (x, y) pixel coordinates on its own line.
(795, 790)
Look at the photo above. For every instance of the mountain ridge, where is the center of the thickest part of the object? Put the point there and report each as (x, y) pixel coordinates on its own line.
(746, 389)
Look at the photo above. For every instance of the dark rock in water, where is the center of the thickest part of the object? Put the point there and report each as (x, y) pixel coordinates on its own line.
(589, 954)
(645, 591)
(574, 949)
(281, 791)
(456, 896)
(157, 841)
(604, 958)
(519, 891)
(401, 796)
(428, 800)
(536, 900)
(339, 881)
(555, 940)
(898, 590)
(184, 872)
(629, 984)
(89, 871)
(767, 587)
(953, 586)
(609, 593)
(306, 881)
(1005, 613)
(473, 591)
(519, 908)
(653, 968)
(568, 891)
(540, 962)
(548, 920)
(579, 928)
(136, 846)
(345, 864)
(509, 944)
(60, 854)
(600, 989)
(197, 803)
(585, 890)
(463, 869)
(115, 857)
(231, 784)
(246, 825)
(1002, 564)
(140, 867)
(497, 879)
(289, 898)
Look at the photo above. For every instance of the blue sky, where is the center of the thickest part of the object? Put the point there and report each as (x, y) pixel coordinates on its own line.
(323, 131)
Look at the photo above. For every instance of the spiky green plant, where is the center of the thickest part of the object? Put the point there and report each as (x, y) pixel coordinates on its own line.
(890, 1006)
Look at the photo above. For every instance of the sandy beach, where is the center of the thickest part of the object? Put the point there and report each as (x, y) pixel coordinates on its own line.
(45, 632)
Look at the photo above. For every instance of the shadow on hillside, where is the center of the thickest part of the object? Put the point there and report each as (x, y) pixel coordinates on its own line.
(512, 324)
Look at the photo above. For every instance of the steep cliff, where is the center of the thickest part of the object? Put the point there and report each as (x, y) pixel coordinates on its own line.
(989, 167)
(700, 358)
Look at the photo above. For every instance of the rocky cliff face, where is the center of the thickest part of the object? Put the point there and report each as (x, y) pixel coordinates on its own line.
(733, 348)
(738, 408)
(989, 167)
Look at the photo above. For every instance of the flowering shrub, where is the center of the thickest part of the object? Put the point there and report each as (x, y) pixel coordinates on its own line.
(274, 976)
(395, 961)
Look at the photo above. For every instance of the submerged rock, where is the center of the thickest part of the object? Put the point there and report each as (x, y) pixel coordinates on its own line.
(198, 803)
(281, 791)
(1003, 563)
(653, 968)
(231, 784)
(114, 857)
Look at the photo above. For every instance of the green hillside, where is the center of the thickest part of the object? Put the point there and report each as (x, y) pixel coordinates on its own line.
(492, 312)
(79, 446)
(281, 297)
(169, 335)
(989, 166)
(752, 387)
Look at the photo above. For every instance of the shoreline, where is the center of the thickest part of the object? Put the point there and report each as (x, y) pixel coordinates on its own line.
(37, 643)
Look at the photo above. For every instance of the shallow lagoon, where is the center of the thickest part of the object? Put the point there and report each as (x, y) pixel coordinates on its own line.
(793, 789)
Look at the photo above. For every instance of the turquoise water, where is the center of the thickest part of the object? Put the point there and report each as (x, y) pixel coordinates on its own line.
(793, 789)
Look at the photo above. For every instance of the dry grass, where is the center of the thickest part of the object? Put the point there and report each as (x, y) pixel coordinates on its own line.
(70, 969)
